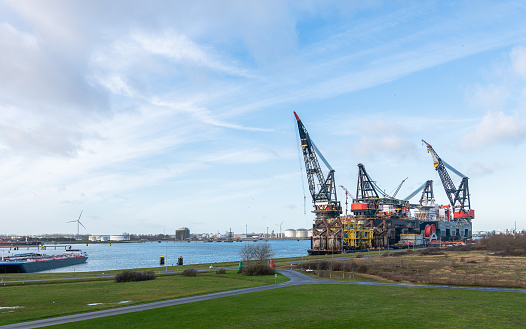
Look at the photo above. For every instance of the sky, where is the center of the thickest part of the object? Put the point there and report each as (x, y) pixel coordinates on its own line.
(151, 116)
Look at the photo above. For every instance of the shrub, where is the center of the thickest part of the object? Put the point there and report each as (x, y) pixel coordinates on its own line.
(189, 272)
(395, 254)
(129, 276)
(260, 253)
(504, 244)
(256, 269)
(431, 251)
(316, 265)
(511, 252)
(221, 271)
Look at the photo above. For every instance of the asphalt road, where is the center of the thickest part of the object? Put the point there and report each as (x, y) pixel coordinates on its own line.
(296, 278)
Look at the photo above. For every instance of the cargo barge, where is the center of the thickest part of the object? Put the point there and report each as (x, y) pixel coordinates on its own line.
(35, 262)
(19, 242)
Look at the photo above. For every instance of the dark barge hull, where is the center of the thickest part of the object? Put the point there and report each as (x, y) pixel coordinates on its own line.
(323, 252)
(44, 265)
(345, 251)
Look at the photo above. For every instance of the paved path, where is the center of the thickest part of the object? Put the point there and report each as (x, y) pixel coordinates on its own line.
(296, 278)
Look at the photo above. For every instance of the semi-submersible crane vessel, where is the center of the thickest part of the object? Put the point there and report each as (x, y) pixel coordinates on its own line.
(379, 220)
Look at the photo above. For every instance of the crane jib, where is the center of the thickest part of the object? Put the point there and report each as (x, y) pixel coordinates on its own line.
(458, 197)
(321, 188)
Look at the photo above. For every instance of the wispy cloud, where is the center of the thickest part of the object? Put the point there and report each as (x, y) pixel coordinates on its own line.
(518, 61)
(504, 91)
(128, 107)
(495, 127)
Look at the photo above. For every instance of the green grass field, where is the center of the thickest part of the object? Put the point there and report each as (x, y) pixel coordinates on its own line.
(312, 306)
(63, 298)
(334, 306)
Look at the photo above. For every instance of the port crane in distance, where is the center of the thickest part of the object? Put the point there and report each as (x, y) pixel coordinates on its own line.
(398, 188)
(458, 197)
(347, 194)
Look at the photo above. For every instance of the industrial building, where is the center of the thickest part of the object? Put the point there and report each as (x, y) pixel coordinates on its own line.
(379, 220)
(103, 238)
(182, 234)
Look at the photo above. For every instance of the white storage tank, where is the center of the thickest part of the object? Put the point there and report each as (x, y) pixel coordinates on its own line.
(301, 233)
(119, 237)
(290, 234)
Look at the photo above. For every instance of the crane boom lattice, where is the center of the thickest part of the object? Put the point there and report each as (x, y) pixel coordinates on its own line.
(322, 190)
(458, 197)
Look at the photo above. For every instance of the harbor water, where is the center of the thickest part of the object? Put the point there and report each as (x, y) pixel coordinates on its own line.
(116, 256)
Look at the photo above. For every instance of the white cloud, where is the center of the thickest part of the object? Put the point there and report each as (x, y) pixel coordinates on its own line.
(491, 97)
(495, 128)
(480, 169)
(204, 115)
(389, 145)
(151, 101)
(502, 94)
(518, 60)
(384, 139)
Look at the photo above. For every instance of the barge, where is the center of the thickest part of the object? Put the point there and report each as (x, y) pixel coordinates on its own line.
(35, 262)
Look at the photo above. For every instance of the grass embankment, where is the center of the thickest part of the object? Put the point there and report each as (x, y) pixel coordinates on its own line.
(432, 266)
(28, 278)
(333, 306)
(56, 299)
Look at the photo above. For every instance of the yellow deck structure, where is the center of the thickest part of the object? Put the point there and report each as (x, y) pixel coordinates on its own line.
(356, 235)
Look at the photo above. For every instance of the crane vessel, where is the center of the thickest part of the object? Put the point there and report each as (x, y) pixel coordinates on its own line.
(378, 220)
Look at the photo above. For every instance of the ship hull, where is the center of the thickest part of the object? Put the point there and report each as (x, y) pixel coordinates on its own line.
(39, 266)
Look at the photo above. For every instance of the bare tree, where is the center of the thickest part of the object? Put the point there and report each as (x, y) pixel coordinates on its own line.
(259, 253)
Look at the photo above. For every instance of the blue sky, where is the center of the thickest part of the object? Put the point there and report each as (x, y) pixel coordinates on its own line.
(153, 116)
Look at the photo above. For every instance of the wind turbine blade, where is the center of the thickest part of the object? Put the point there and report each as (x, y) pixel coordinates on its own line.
(80, 214)
(71, 221)
(82, 225)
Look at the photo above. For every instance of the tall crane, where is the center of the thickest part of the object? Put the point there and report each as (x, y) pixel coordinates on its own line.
(458, 197)
(322, 190)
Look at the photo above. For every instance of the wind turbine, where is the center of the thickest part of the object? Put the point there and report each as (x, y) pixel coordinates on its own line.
(280, 228)
(78, 223)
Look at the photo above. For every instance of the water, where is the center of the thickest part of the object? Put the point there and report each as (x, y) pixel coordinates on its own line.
(105, 257)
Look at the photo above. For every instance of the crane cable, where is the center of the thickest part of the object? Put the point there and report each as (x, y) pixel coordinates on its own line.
(300, 156)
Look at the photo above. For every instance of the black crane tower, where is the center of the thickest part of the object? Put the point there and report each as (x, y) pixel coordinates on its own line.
(322, 190)
(458, 197)
(428, 197)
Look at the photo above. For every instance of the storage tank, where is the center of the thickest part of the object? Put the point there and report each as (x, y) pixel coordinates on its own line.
(290, 234)
(301, 233)
(119, 237)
